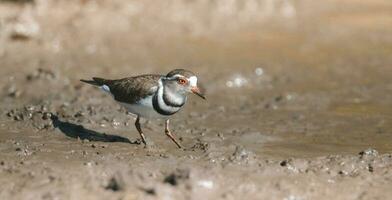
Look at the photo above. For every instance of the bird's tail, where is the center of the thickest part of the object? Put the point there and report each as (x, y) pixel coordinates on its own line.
(96, 81)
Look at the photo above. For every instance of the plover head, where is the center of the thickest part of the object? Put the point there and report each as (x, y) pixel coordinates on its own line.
(182, 82)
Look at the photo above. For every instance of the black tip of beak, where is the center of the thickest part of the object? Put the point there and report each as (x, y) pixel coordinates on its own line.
(201, 96)
(195, 90)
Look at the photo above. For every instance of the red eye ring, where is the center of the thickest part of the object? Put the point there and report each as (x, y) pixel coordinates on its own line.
(182, 81)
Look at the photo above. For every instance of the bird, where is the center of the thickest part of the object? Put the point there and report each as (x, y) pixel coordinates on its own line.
(152, 96)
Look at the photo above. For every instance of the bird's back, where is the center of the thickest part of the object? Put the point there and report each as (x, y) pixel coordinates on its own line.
(132, 89)
(129, 90)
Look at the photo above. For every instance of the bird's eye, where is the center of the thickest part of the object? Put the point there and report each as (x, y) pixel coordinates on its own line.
(182, 81)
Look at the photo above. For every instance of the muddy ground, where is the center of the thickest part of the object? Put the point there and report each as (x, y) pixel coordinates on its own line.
(299, 97)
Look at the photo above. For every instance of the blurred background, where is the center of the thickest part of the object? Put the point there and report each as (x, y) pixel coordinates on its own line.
(134, 37)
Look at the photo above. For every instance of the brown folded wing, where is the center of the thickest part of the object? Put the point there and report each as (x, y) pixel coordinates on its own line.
(132, 89)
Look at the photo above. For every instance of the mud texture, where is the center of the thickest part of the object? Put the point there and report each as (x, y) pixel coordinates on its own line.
(299, 99)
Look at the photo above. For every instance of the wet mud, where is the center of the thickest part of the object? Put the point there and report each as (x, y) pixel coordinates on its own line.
(299, 100)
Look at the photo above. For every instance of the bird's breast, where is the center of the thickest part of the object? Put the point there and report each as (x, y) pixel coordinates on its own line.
(143, 108)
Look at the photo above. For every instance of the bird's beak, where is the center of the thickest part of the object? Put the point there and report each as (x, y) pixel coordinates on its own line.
(196, 90)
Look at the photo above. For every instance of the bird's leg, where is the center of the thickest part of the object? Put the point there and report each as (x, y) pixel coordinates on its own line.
(139, 129)
(170, 135)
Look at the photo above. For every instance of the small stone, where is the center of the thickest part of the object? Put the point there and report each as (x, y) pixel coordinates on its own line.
(341, 172)
(283, 163)
(14, 92)
(115, 122)
(174, 178)
(368, 152)
(51, 178)
(47, 116)
(79, 114)
(206, 184)
(259, 71)
(278, 98)
(242, 155)
(150, 191)
(370, 168)
(221, 136)
(24, 27)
